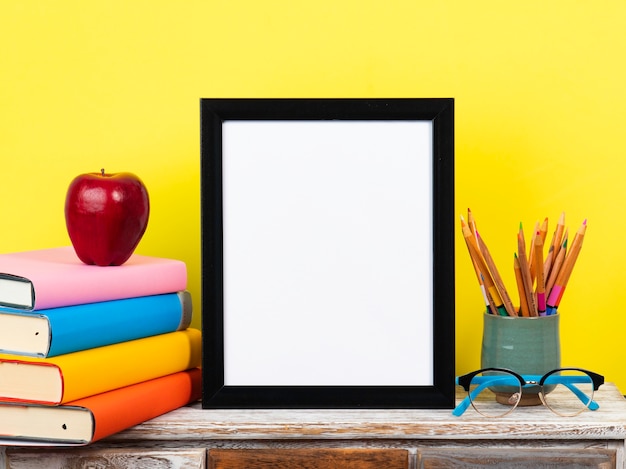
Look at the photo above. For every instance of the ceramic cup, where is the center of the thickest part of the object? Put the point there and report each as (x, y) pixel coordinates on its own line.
(524, 345)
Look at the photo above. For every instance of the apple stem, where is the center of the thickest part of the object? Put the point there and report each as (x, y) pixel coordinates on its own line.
(102, 171)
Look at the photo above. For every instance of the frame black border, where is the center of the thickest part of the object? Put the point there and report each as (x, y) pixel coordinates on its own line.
(215, 394)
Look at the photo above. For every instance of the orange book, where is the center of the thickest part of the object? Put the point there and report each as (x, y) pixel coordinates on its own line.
(95, 417)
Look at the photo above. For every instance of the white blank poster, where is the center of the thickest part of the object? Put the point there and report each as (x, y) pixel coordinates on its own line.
(328, 253)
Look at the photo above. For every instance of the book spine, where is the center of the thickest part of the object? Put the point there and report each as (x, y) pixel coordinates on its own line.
(81, 327)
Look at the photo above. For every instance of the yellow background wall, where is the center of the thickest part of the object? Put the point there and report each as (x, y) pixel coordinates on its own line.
(540, 118)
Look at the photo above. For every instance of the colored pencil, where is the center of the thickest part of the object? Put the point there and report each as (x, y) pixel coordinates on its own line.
(525, 268)
(566, 270)
(490, 287)
(543, 230)
(506, 300)
(557, 242)
(523, 302)
(471, 221)
(555, 245)
(558, 263)
(547, 263)
(469, 237)
(539, 231)
(540, 289)
(531, 252)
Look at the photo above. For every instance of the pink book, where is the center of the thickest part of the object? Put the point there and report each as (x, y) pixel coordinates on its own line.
(55, 277)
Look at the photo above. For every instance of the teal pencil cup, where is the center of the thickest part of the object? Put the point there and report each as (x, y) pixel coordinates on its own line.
(526, 345)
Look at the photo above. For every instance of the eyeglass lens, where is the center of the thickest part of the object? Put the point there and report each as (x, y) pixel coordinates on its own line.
(495, 393)
(567, 392)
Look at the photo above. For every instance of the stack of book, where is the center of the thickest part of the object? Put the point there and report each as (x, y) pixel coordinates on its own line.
(88, 351)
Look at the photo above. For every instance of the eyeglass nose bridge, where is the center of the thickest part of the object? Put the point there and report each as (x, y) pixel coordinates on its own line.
(531, 382)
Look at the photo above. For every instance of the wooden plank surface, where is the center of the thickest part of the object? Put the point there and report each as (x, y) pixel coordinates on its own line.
(193, 423)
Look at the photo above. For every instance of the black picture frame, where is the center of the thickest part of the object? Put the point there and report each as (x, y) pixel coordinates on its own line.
(227, 123)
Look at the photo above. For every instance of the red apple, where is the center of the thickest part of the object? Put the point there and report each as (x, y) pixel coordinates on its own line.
(106, 216)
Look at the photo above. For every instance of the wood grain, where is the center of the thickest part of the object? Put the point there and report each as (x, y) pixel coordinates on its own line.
(136, 458)
(517, 459)
(308, 459)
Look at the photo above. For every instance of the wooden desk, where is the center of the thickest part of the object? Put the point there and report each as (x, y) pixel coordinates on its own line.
(529, 437)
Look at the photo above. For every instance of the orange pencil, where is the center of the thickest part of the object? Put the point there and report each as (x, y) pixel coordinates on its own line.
(490, 288)
(508, 304)
(555, 245)
(540, 290)
(523, 302)
(469, 238)
(557, 241)
(531, 253)
(544, 230)
(470, 220)
(547, 263)
(558, 262)
(525, 269)
(568, 265)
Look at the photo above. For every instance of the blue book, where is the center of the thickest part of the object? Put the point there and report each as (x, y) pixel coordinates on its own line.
(57, 331)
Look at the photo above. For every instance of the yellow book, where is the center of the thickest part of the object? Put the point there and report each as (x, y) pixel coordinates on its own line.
(65, 378)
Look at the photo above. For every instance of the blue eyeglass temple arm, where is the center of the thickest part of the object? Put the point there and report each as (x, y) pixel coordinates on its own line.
(485, 381)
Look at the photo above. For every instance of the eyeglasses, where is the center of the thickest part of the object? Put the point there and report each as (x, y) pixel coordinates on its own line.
(496, 392)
